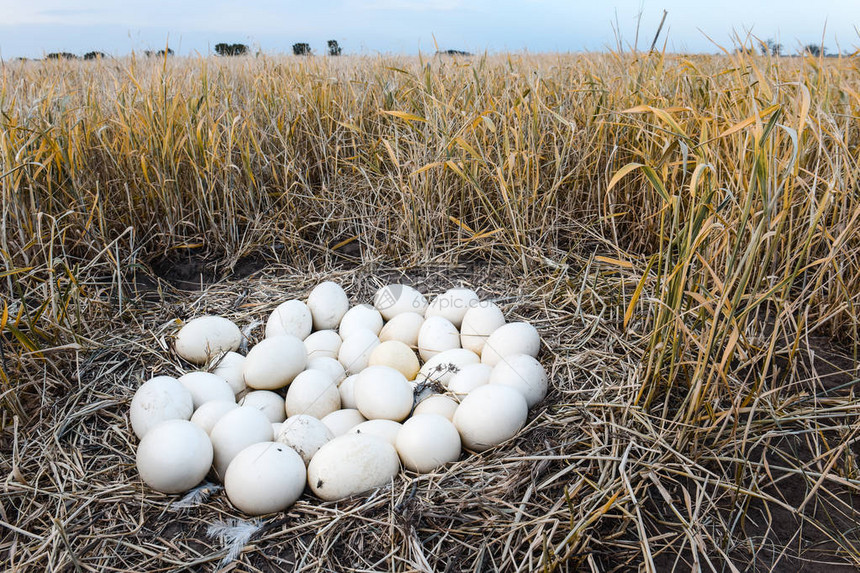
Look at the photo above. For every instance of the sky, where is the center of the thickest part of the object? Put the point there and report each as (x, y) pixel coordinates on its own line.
(33, 28)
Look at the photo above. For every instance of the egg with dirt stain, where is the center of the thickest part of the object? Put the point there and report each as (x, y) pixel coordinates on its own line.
(352, 464)
(305, 434)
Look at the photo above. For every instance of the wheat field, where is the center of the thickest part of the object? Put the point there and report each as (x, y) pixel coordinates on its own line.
(683, 231)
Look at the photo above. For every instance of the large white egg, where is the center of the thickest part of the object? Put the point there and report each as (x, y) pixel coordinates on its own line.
(395, 299)
(383, 392)
(479, 323)
(230, 368)
(328, 365)
(352, 464)
(436, 404)
(235, 431)
(323, 343)
(442, 367)
(468, 378)
(312, 393)
(206, 387)
(384, 429)
(360, 316)
(403, 327)
(174, 456)
(266, 401)
(327, 303)
(427, 441)
(510, 339)
(274, 362)
(304, 434)
(453, 304)
(523, 373)
(489, 415)
(205, 337)
(347, 391)
(291, 317)
(397, 355)
(159, 399)
(355, 351)
(437, 335)
(342, 421)
(208, 414)
(264, 478)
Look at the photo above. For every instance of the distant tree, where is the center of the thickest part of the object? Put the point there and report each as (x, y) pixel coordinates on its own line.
(224, 49)
(302, 49)
(333, 48)
(94, 55)
(61, 56)
(453, 53)
(815, 50)
(771, 47)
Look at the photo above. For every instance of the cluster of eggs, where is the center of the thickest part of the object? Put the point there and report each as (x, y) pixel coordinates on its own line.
(337, 397)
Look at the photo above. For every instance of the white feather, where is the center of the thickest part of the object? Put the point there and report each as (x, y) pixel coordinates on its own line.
(234, 534)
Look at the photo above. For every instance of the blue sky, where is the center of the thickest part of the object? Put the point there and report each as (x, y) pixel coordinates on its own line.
(34, 27)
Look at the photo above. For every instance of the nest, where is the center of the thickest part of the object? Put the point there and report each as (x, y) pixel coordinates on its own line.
(592, 482)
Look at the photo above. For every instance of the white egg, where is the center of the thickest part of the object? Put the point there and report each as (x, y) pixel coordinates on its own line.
(291, 317)
(383, 429)
(327, 303)
(510, 339)
(323, 343)
(328, 365)
(403, 327)
(312, 393)
(437, 335)
(274, 362)
(383, 392)
(397, 355)
(235, 431)
(304, 434)
(453, 304)
(355, 351)
(266, 401)
(230, 368)
(427, 441)
(523, 373)
(264, 478)
(442, 367)
(489, 415)
(478, 324)
(468, 378)
(436, 404)
(395, 299)
(159, 399)
(360, 316)
(352, 464)
(206, 387)
(174, 456)
(208, 414)
(347, 391)
(205, 337)
(342, 421)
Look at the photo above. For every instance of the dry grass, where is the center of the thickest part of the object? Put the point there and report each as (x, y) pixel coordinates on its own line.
(699, 309)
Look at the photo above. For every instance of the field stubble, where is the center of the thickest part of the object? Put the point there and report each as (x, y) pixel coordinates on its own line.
(682, 230)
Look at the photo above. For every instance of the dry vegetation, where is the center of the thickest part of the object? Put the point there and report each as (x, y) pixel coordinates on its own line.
(683, 231)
